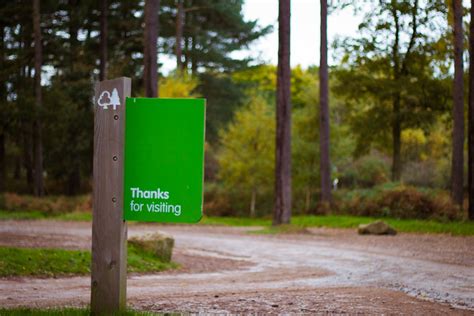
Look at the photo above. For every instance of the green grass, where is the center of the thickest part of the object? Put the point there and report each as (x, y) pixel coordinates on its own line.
(23, 215)
(457, 228)
(54, 262)
(62, 312)
(345, 221)
(4, 215)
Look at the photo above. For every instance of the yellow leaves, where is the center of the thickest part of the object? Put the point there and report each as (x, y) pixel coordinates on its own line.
(178, 86)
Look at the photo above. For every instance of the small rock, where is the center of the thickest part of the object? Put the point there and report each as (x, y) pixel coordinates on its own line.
(376, 228)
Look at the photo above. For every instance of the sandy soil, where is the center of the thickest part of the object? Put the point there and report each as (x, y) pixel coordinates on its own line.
(228, 270)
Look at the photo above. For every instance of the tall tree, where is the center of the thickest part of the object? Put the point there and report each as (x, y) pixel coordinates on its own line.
(458, 107)
(150, 48)
(179, 34)
(325, 165)
(38, 142)
(282, 204)
(103, 39)
(390, 63)
(471, 118)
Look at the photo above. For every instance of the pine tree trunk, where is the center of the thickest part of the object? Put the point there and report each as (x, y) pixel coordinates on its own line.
(325, 164)
(458, 108)
(471, 119)
(150, 48)
(179, 35)
(27, 161)
(38, 142)
(103, 40)
(282, 204)
(2, 163)
(3, 99)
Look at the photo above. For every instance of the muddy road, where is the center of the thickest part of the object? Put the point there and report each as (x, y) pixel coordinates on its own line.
(227, 269)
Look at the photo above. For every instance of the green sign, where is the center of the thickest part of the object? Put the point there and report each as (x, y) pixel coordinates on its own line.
(164, 160)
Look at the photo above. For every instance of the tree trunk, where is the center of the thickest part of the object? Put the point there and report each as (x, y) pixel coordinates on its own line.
(3, 99)
(282, 207)
(471, 119)
(307, 200)
(27, 163)
(103, 40)
(179, 35)
(2, 163)
(458, 108)
(150, 48)
(396, 140)
(253, 201)
(325, 164)
(193, 56)
(38, 142)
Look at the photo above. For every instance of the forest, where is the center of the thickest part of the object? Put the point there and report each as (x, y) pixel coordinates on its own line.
(386, 131)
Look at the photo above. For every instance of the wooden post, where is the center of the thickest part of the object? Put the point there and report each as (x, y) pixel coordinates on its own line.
(109, 230)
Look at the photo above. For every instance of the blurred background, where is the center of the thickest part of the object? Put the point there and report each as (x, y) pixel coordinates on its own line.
(226, 52)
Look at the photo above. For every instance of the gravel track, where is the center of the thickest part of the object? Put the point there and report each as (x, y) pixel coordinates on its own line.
(225, 269)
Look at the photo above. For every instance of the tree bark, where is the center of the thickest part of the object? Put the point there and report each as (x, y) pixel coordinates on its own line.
(396, 117)
(103, 40)
(471, 119)
(38, 142)
(282, 204)
(458, 108)
(2, 163)
(325, 164)
(150, 48)
(3, 98)
(179, 35)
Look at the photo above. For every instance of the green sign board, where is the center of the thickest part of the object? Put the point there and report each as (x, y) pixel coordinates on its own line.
(164, 160)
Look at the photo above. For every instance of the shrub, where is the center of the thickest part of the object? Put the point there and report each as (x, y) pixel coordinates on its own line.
(366, 171)
(50, 205)
(399, 201)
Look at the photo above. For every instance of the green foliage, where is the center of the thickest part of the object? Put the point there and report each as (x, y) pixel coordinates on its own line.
(367, 171)
(223, 98)
(212, 31)
(55, 262)
(246, 158)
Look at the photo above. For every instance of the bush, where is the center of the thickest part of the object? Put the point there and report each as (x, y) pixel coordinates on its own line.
(50, 205)
(366, 171)
(399, 201)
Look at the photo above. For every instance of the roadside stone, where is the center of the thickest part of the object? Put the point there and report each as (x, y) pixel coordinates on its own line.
(376, 228)
(159, 244)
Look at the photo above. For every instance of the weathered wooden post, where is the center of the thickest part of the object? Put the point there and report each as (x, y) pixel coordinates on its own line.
(109, 230)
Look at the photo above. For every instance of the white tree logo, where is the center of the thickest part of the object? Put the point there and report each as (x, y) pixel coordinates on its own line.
(107, 99)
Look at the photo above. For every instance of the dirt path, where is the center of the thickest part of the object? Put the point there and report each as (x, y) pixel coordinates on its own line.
(228, 270)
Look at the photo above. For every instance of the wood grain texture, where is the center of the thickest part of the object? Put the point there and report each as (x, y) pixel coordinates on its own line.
(109, 230)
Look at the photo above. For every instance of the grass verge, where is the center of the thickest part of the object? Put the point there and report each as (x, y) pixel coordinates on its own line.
(59, 262)
(457, 228)
(23, 215)
(299, 223)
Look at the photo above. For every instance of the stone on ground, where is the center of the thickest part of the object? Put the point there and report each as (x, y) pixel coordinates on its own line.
(159, 244)
(376, 228)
